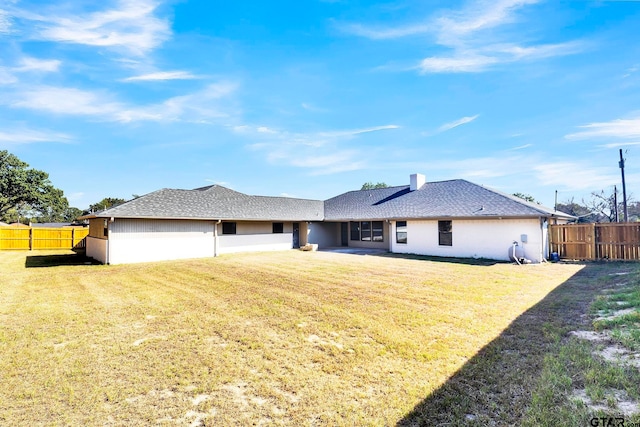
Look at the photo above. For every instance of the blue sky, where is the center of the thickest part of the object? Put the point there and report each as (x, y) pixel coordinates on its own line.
(313, 98)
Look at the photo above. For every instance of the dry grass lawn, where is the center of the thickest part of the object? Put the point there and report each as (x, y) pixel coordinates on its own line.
(287, 338)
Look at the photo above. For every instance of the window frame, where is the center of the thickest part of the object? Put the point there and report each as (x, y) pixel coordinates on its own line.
(445, 233)
(401, 225)
(277, 227)
(354, 231)
(377, 231)
(366, 231)
(227, 231)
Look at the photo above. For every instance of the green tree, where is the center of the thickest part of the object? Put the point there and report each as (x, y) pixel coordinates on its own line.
(371, 186)
(106, 203)
(27, 193)
(71, 214)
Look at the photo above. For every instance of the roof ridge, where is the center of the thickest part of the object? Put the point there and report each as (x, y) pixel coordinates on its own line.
(537, 206)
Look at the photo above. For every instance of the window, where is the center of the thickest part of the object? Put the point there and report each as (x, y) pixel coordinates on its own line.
(401, 232)
(105, 232)
(355, 230)
(365, 231)
(228, 228)
(445, 235)
(278, 227)
(378, 231)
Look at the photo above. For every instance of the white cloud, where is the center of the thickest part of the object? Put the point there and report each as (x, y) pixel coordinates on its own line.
(5, 22)
(264, 129)
(479, 16)
(28, 136)
(310, 107)
(386, 33)
(69, 101)
(456, 123)
(466, 35)
(521, 147)
(162, 75)
(131, 25)
(575, 175)
(620, 128)
(630, 71)
(194, 107)
(6, 77)
(321, 153)
(353, 132)
(619, 144)
(472, 63)
(35, 64)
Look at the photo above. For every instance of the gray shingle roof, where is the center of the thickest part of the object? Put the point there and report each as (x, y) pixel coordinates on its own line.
(216, 202)
(456, 199)
(445, 199)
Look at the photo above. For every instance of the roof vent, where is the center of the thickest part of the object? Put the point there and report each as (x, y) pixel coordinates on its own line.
(417, 181)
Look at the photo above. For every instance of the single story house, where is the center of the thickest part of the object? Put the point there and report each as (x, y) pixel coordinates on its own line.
(174, 224)
(453, 218)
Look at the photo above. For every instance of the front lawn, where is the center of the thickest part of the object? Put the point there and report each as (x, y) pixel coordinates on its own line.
(286, 338)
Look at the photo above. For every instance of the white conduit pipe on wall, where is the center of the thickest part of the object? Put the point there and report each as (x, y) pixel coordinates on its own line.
(513, 248)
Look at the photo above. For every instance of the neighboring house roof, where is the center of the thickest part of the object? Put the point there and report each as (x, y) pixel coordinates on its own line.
(50, 224)
(455, 199)
(215, 202)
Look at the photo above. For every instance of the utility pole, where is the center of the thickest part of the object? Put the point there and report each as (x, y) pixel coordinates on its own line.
(624, 187)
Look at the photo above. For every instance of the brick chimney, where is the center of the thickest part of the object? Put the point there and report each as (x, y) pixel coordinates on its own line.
(417, 181)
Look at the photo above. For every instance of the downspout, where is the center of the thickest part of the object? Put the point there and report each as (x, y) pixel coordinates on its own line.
(111, 220)
(543, 255)
(215, 238)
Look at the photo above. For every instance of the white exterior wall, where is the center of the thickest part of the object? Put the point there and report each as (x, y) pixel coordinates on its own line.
(97, 249)
(141, 240)
(483, 238)
(258, 227)
(231, 243)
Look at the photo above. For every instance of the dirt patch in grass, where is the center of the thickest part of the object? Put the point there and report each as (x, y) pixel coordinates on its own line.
(529, 374)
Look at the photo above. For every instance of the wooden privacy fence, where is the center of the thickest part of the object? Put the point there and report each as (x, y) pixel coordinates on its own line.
(43, 238)
(619, 241)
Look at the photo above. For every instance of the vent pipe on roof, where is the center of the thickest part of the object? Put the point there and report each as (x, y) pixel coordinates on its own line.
(417, 181)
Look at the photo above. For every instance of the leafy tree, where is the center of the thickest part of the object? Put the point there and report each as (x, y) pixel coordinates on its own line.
(106, 203)
(27, 193)
(527, 197)
(371, 186)
(71, 214)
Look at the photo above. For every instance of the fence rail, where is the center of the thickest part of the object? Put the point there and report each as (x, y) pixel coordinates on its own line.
(617, 241)
(42, 238)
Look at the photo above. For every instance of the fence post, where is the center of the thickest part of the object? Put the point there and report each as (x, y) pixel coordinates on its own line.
(593, 245)
(30, 238)
(73, 237)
